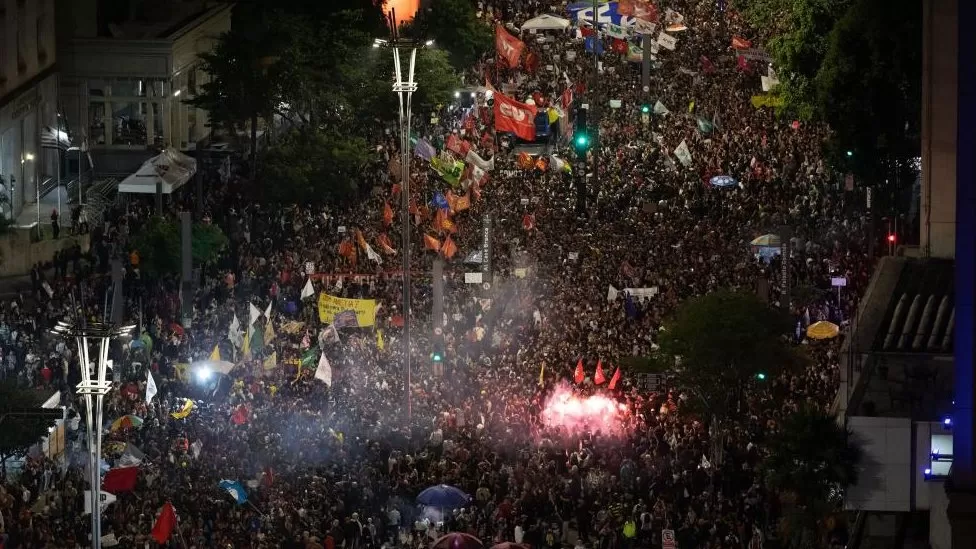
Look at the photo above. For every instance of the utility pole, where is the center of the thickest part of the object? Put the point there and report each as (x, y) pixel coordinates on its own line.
(595, 147)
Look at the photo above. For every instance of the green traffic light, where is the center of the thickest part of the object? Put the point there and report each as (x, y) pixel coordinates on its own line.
(645, 109)
(581, 140)
(761, 376)
(437, 357)
(850, 154)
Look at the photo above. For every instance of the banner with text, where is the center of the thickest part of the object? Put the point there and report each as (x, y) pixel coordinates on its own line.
(348, 312)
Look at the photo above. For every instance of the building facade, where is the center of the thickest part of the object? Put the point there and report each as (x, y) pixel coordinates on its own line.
(28, 100)
(123, 84)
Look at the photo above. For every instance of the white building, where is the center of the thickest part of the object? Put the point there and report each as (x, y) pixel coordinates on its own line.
(125, 75)
(28, 99)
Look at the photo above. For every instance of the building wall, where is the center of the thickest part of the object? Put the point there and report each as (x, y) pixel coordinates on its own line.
(28, 98)
(127, 96)
(939, 107)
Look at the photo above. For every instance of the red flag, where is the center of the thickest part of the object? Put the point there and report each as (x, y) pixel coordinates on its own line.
(449, 248)
(638, 9)
(396, 189)
(567, 98)
(619, 46)
(740, 43)
(743, 64)
(387, 214)
(587, 31)
(524, 161)
(579, 375)
(385, 245)
(121, 479)
(528, 222)
(508, 47)
(165, 524)
(512, 116)
(598, 377)
(267, 479)
(531, 62)
(614, 379)
(240, 415)
(707, 66)
(431, 243)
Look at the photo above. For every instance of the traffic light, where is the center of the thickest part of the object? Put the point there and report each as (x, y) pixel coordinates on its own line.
(437, 352)
(645, 109)
(581, 141)
(850, 153)
(892, 238)
(761, 376)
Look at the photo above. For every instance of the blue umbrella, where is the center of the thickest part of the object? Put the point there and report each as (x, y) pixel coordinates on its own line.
(442, 495)
(723, 181)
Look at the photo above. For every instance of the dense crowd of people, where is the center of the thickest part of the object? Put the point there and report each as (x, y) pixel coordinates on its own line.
(340, 463)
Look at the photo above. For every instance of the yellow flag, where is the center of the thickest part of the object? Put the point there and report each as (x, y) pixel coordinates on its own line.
(542, 374)
(380, 344)
(269, 333)
(246, 348)
(271, 362)
(187, 408)
(691, 107)
(215, 354)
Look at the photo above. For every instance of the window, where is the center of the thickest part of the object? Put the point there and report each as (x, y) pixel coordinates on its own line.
(191, 81)
(96, 122)
(127, 88)
(157, 118)
(128, 123)
(97, 88)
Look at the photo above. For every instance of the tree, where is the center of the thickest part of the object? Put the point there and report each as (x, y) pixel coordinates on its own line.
(795, 33)
(308, 165)
(868, 88)
(242, 85)
(810, 460)
(158, 245)
(19, 433)
(436, 83)
(720, 344)
(454, 26)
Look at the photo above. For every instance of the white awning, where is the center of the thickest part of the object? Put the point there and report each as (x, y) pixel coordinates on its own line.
(171, 167)
(546, 22)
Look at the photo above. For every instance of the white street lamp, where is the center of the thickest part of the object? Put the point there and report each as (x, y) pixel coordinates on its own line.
(94, 383)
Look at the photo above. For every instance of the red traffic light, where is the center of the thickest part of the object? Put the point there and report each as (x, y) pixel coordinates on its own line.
(892, 238)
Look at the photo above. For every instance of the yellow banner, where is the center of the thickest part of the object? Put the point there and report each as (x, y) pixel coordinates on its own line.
(187, 408)
(760, 101)
(345, 312)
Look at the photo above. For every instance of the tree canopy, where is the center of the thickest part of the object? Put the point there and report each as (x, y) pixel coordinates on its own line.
(855, 65)
(455, 27)
(721, 343)
(809, 458)
(309, 71)
(18, 434)
(158, 245)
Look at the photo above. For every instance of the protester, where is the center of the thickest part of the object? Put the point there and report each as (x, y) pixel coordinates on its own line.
(338, 460)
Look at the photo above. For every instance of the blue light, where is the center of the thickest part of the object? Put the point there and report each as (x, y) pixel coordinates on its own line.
(928, 472)
(947, 422)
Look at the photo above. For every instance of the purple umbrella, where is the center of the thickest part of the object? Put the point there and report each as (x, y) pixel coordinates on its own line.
(457, 540)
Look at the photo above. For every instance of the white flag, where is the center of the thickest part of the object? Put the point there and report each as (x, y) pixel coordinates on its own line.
(150, 387)
(267, 312)
(107, 499)
(659, 108)
(683, 154)
(308, 290)
(372, 255)
(234, 332)
(324, 370)
(612, 294)
(254, 313)
(474, 158)
(195, 448)
(667, 41)
(109, 540)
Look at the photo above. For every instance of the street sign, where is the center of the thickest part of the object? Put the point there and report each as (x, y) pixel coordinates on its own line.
(667, 539)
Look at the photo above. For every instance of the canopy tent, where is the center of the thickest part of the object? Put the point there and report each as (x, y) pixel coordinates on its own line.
(170, 167)
(546, 22)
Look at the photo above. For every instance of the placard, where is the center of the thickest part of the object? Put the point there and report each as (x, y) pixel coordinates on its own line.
(473, 278)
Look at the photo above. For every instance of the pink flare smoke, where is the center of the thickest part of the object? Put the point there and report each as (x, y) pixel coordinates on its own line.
(576, 414)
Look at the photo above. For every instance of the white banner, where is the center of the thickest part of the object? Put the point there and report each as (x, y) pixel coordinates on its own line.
(667, 41)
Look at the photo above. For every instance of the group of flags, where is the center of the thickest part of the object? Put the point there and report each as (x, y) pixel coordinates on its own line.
(599, 378)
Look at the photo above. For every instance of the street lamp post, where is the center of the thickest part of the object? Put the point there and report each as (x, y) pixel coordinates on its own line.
(94, 386)
(404, 89)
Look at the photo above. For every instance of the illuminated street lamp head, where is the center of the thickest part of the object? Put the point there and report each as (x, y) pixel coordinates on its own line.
(92, 329)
